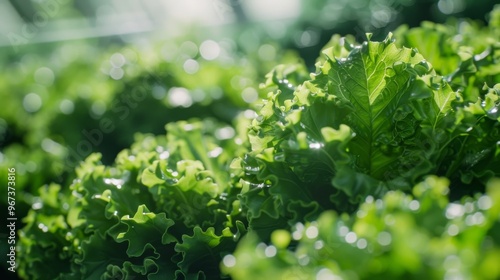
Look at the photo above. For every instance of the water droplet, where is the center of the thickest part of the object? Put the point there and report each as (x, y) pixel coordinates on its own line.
(37, 205)
(493, 113)
(315, 145)
(258, 185)
(115, 182)
(364, 47)
(171, 181)
(43, 227)
(251, 169)
(215, 152)
(279, 157)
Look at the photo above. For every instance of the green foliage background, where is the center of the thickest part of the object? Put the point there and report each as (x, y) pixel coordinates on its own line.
(191, 210)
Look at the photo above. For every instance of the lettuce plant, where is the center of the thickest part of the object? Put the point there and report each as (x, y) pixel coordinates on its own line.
(165, 210)
(373, 118)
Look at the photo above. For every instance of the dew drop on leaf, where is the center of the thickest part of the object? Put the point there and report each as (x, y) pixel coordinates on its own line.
(279, 157)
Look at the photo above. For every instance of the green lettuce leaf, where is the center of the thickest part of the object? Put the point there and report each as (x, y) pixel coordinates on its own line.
(376, 119)
(143, 230)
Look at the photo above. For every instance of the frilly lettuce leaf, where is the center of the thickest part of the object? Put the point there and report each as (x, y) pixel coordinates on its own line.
(44, 242)
(106, 194)
(134, 219)
(358, 127)
(374, 117)
(143, 230)
(191, 182)
(197, 250)
(476, 157)
(463, 51)
(418, 236)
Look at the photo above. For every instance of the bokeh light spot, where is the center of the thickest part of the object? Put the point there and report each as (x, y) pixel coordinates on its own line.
(191, 66)
(66, 106)
(210, 50)
(32, 102)
(44, 76)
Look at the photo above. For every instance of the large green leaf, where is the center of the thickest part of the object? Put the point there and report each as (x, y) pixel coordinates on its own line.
(359, 127)
(376, 81)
